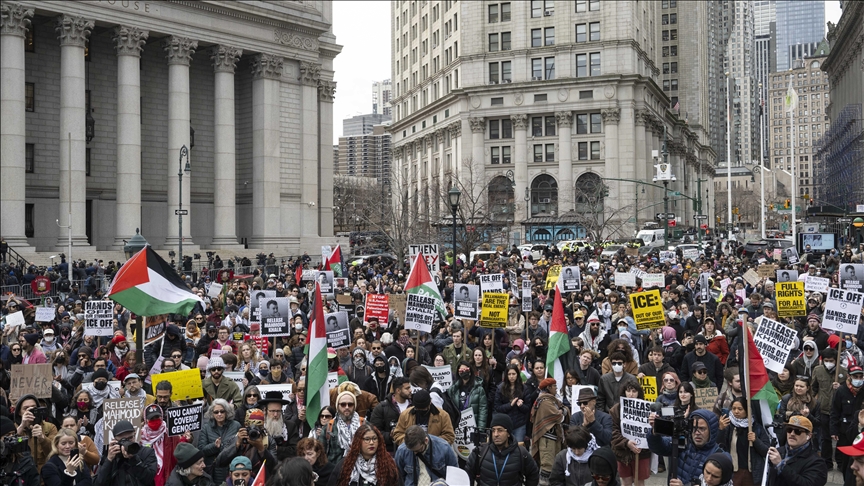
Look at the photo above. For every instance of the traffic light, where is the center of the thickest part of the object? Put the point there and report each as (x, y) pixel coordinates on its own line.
(735, 210)
(739, 217)
(771, 207)
(811, 201)
(786, 204)
(718, 219)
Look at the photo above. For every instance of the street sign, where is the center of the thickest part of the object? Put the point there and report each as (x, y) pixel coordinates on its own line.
(671, 223)
(703, 226)
(181, 212)
(701, 216)
(844, 220)
(668, 216)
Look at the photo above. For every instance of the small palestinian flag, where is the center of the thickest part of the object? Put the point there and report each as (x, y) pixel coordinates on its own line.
(148, 286)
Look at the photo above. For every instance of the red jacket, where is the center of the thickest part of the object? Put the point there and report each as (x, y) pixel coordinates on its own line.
(215, 345)
(719, 347)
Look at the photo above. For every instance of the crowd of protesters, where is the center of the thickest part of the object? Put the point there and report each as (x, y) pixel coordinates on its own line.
(390, 422)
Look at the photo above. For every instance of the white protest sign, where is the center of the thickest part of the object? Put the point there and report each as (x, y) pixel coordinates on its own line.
(650, 280)
(575, 389)
(98, 318)
(527, 301)
(667, 256)
(15, 319)
(816, 284)
(183, 419)
(690, 254)
(419, 312)
(284, 388)
(44, 314)
(774, 341)
(625, 279)
(570, 280)
(492, 282)
(430, 255)
(443, 375)
(463, 445)
(236, 377)
(725, 283)
(842, 311)
(634, 420)
(214, 290)
(638, 272)
(333, 380)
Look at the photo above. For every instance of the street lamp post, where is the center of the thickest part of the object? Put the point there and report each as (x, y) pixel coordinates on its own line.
(454, 194)
(664, 174)
(136, 244)
(184, 152)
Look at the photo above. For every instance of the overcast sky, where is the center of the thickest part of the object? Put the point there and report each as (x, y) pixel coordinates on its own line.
(363, 29)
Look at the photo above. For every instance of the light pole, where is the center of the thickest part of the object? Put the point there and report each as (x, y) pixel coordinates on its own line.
(136, 244)
(762, 161)
(729, 224)
(453, 194)
(184, 152)
(664, 174)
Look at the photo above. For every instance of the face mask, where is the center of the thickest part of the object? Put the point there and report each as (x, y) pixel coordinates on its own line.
(621, 329)
(100, 385)
(298, 327)
(154, 424)
(394, 369)
(381, 368)
(617, 368)
(857, 383)
(82, 405)
(359, 362)
(848, 344)
(168, 369)
(263, 372)
(465, 375)
(50, 339)
(829, 366)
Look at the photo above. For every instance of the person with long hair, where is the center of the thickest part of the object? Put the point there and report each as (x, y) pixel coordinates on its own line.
(800, 401)
(218, 429)
(85, 413)
(62, 465)
(741, 444)
(717, 344)
(623, 345)
(784, 381)
(686, 401)
(511, 398)
(626, 451)
(85, 444)
(313, 452)
(295, 471)
(668, 389)
(251, 396)
(366, 462)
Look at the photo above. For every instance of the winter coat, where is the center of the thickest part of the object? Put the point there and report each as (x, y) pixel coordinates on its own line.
(601, 428)
(712, 364)
(437, 457)
(619, 443)
(519, 470)
(580, 474)
(608, 392)
(476, 399)
(137, 471)
(718, 346)
(227, 389)
(439, 425)
(40, 449)
(518, 415)
(691, 459)
(844, 411)
(177, 480)
(806, 469)
(207, 443)
(54, 474)
(822, 383)
(758, 452)
(648, 369)
(385, 416)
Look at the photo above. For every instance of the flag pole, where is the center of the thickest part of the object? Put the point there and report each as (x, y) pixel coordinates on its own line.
(839, 357)
(746, 384)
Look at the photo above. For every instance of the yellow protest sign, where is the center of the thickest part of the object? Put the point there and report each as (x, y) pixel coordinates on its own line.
(552, 277)
(185, 384)
(649, 387)
(790, 299)
(494, 312)
(647, 309)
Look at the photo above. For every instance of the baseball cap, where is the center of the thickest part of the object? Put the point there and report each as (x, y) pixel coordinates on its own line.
(856, 449)
(855, 369)
(799, 422)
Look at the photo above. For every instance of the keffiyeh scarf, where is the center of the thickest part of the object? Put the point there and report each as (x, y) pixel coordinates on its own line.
(364, 468)
(592, 446)
(741, 423)
(154, 439)
(346, 431)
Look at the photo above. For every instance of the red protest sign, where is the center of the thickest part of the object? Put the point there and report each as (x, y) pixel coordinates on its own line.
(377, 305)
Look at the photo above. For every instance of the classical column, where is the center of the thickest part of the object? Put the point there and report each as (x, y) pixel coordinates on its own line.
(14, 22)
(310, 75)
(611, 116)
(520, 159)
(179, 51)
(643, 159)
(73, 33)
(477, 171)
(564, 119)
(442, 184)
(266, 151)
(455, 129)
(429, 196)
(224, 178)
(326, 96)
(129, 42)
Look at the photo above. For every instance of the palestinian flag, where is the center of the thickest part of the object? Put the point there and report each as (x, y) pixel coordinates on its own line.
(420, 282)
(317, 391)
(334, 262)
(755, 373)
(148, 286)
(559, 341)
(298, 273)
(261, 478)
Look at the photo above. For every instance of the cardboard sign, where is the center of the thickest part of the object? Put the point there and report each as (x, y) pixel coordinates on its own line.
(45, 314)
(634, 420)
(30, 379)
(332, 381)
(182, 419)
(790, 299)
(816, 284)
(625, 279)
(336, 327)
(465, 301)
(690, 254)
(463, 445)
(842, 311)
(185, 384)
(649, 387)
(99, 318)
(766, 271)
(492, 282)
(787, 275)
(651, 280)
(527, 301)
(777, 254)
(443, 375)
(377, 305)
(430, 255)
(647, 309)
(117, 409)
(552, 277)
(420, 312)
(774, 340)
(15, 319)
(570, 279)
(494, 312)
(705, 397)
(215, 290)
(398, 304)
(852, 276)
(751, 277)
(630, 251)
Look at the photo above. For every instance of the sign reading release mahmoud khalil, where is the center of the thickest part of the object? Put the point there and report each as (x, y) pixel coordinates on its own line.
(275, 317)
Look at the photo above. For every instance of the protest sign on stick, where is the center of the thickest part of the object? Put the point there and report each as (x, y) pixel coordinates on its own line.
(651, 280)
(494, 312)
(185, 384)
(443, 375)
(527, 301)
(634, 420)
(420, 312)
(336, 327)
(465, 299)
(183, 419)
(816, 284)
(430, 255)
(647, 309)
(625, 279)
(377, 305)
(492, 282)
(99, 318)
(790, 299)
(842, 311)
(117, 409)
(467, 425)
(649, 387)
(774, 340)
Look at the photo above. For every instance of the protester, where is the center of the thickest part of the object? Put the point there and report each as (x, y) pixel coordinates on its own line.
(62, 468)
(218, 430)
(629, 455)
(747, 443)
(482, 463)
(571, 465)
(797, 463)
(366, 461)
(189, 470)
(312, 450)
(423, 413)
(547, 416)
(702, 443)
(423, 455)
(122, 465)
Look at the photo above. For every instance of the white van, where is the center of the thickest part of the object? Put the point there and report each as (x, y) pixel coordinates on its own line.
(652, 237)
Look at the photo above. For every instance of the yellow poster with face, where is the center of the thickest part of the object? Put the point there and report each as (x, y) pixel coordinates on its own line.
(552, 277)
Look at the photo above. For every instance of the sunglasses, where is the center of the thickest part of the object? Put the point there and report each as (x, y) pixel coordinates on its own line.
(218, 412)
(255, 395)
(795, 431)
(326, 416)
(346, 404)
(601, 478)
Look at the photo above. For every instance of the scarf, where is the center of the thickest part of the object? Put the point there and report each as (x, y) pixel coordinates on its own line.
(365, 469)
(791, 454)
(742, 423)
(783, 387)
(706, 383)
(141, 395)
(346, 431)
(583, 459)
(155, 439)
(99, 396)
(669, 337)
(121, 353)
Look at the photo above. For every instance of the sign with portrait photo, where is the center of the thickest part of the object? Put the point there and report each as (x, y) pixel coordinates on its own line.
(325, 278)
(275, 317)
(852, 276)
(571, 280)
(257, 298)
(787, 275)
(336, 327)
(465, 299)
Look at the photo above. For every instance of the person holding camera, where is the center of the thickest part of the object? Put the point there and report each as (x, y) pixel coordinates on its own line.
(32, 425)
(797, 463)
(126, 463)
(66, 462)
(15, 459)
(703, 427)
(253, 442)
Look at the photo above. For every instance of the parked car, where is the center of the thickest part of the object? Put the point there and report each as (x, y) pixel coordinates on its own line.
(610, 252)
(536, 250)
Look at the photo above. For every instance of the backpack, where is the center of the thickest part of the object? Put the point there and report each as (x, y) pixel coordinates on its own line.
(449, 406)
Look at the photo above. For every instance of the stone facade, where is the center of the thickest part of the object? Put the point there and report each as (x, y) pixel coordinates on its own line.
(261, 170)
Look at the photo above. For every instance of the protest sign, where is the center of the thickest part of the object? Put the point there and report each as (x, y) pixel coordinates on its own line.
(257, 299)
(377, 305)
(787, 275)
(420, 312)
(705, 397)
(792, 255)
(325, 279)
(182, 419)
(649, 387)
(790, 299)
(650, 280)
(571, 280)
(647, 309)
(117, 409)
(776, 254)
(236, 377)
(463, 445)
(625, 279)
(284, 388)
(631, 251)
(45, 314)
(638, 272)
(766, 270)
(527, 301)
(30, 379)
(774, 340)
(705, 287)
(574, 392)
(398, 304)
(154, 328)
(741, 293)
(494, 313)
(215, 290)
(842, 311)
(465, 300)
(552, 277)
(15, 319)
(751, 277)
(634, 420)
(852, 276)
(98, 318)
(430, 255)
(333, 380)
(275, 317)
(816, 284)
(336, 326)
(725, 283)
(443, 375)
(185, 384)
(690, 254)
(667, 256)
(492, 282)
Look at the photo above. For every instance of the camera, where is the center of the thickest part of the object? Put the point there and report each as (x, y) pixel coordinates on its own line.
(39, 414)
(480, 436)
(13, 445)
(254, 433)
(132, 447)
(671, 423)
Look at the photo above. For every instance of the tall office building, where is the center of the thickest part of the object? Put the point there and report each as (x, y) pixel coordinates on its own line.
(764, 12)
(764, 30)
(381, 93)
(362, 124)
(365, 155)
(798, 22)
(739, 63)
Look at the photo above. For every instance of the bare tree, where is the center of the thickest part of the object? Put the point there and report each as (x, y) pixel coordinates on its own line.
(599, 219)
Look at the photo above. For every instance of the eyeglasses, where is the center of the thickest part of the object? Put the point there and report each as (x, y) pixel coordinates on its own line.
(795, 431)
(16, 349)
(326, 416)
(251, 395)
(218, 412)
(375, 349)
(598, 478)
(370, 440)
(346, 405)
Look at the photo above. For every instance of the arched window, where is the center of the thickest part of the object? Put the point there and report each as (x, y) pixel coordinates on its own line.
(544, 195)
(814, 64)
(589, 193)
(564, 235)
(501, 199)
(542, 235)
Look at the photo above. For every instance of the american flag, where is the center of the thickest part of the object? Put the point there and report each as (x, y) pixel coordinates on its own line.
(677, 105)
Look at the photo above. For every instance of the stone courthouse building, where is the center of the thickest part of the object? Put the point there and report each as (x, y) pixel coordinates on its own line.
(100, 97)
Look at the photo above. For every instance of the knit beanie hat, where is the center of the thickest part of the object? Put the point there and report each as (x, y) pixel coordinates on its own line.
(6, 425)
(101, 373)
(502, 420)
(187, 455)
(31, 338)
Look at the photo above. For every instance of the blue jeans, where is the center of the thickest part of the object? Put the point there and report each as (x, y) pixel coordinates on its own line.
(519, 434)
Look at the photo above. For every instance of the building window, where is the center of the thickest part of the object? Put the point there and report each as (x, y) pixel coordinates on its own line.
(594, 5)
(505, 41)
(505, 12)
(595, 64)
(674, 87)
(538, 153)
(550, 68)
(665, 51)
(29, 158)
(506, 75)
(496, 155)
(28, 221)
(494, 129)
(550, 152)
(581, 124)
(550, 126)
(673, 18)
(674, 68)
(596, 123)
(494, 102)
(29, 39)
(673, 34)
(493, 42)
(665, 68)
(665, 35)
(493, 73)
(505, 154)
(665, 19)
(595, 150)
(581, 65)
(581, 33)
(30, 96)
(665, 85)
(537, 126)
(536, 8)
(586, 95)
(540, 98)
(595, 31)
(673, 51)
(549, 36)
(581, 6)
(493, 13)
(536, 69)
(536, 37)
(506, 128)
(583, 150)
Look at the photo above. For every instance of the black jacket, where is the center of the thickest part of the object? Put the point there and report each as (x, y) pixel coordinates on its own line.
(844, 410)
(712, 364)
(520, 469)
(805, 470)
(385, 415)
(139, 470)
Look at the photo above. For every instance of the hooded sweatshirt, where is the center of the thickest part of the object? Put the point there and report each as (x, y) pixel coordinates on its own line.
(606, 455)
(691, 459)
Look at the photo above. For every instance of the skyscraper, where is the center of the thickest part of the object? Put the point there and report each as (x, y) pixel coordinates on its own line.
(739, 63)
(798, 23)
(381, 94)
